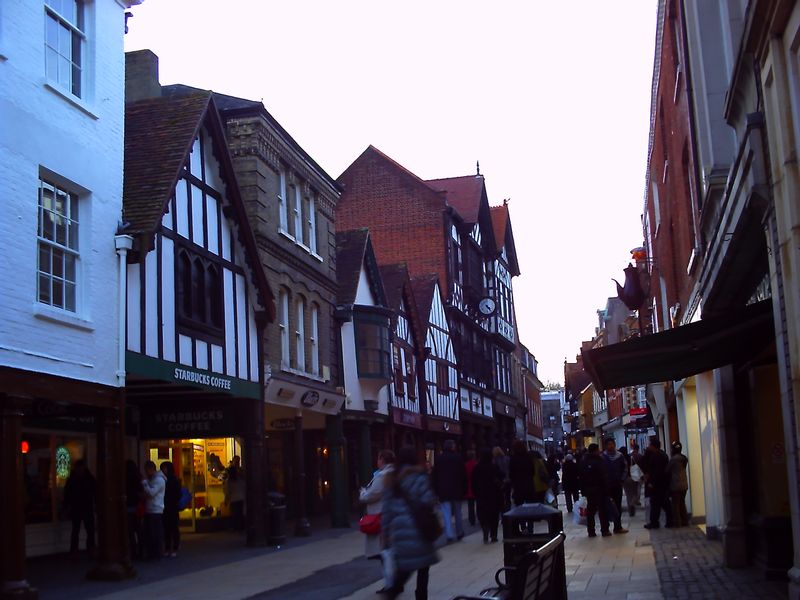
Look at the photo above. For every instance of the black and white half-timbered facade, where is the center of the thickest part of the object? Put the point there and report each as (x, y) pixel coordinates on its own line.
(405, 409)
(471, 304)
(198, 303)
(439, 375)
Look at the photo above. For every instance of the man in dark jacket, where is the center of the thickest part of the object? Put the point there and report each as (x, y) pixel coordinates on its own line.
(450, 485)
(654, 464)
(617, 470)
(594, 485)
(79, 499)
(570, 481)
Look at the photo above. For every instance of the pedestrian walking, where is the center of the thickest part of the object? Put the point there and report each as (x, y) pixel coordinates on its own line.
(637, 474)
(617, 471)
(541, 477)
(170, 519)
(501, 460)
(233, 482)
(553, 468)
(408, 496)
(594, 485)
(521, 471)
(79, 500)
(469, 465)
(629, 485)
(487, 485)
(570, 481)
(654, 464)
(372, 496)
(154, 486)
(678, 485)
(450, 483)
(134, 508)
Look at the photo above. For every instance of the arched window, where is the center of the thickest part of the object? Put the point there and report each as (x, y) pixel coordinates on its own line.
(300, 334)
(184, 285)
(198, 291)
(214, 296)
(314, 339)
(199, 294)
(283, 325)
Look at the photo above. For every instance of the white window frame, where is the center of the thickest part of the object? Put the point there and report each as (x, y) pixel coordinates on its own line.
(283, 302)
(300, 334)
(69, 248)
(314, 339)
(283, 219)
(76, 29)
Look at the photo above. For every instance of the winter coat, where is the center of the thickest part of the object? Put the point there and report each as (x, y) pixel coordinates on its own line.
(411, 551)
(79, 493)
(541, 476)
(372, 496)
(676, 470)
(654, 464)
(487, 485)
(569, 476)
(616, 467)
(172, 495)
(469, 466)
(594, 475)
(521, 471)
(154, 493)
(450, 477)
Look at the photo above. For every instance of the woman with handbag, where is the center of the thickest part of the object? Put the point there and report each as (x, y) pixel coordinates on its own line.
(409, 523)
(370, 523)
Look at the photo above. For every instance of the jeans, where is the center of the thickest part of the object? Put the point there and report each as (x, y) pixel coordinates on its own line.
(154, 535)
(172, 533)
(596, 503)
(87, 518)
(471, 510)
(571, 497)
(400, 579)
(451, 508)
(616, 497)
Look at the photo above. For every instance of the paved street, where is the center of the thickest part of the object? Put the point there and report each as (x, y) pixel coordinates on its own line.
(640, 565)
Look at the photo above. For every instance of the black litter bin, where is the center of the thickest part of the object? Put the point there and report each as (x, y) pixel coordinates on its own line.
(528, 527)
(277, 518)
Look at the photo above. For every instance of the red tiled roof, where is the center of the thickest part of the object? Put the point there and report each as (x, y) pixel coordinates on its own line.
(159, 133)
(463, 194)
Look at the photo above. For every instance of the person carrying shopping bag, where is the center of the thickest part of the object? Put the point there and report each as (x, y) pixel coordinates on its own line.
(370, 524)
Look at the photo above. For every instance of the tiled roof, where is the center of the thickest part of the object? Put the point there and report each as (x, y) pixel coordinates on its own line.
(499, 222)
(159, 133)
(463, 194)
(394, 279)
(351, 247)
(423, 288)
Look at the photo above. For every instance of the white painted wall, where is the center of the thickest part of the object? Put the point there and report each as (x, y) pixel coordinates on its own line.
(82, 142)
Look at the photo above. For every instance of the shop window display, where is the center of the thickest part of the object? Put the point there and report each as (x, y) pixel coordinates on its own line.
(47, 463)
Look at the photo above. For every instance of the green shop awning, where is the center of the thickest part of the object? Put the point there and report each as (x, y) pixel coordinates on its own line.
(687, 350)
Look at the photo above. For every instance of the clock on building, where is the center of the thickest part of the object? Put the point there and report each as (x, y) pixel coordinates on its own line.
(487, 306)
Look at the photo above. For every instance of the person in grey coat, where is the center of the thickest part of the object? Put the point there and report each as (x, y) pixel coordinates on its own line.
(678, 485)
(372, 496)
(410, 550)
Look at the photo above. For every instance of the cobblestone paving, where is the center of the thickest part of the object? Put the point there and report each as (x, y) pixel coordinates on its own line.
(690, 566)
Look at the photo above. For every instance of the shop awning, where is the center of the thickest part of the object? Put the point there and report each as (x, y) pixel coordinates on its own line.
(683, 351)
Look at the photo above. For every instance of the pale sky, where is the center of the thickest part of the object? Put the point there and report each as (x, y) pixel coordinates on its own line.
(551, 96)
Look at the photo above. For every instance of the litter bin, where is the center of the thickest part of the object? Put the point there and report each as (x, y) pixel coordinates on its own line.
(528, 527)
(277, 518)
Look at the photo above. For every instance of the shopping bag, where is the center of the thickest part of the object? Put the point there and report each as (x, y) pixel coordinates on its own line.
(550, 498)
(579, 511)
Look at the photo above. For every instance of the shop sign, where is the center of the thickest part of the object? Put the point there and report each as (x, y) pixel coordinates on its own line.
(183, 375)
(406, 418)
(283, 424)
(189, 421)
(310, 398)
(444, 426)
(638, 412)
(501, 408)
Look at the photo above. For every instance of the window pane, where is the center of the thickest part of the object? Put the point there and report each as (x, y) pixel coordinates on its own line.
(44, 258)
(70, 268)
(51, 32)
(58, 293)
(44, 289)
(76, 64)
(64, 69)
(73, 235)
(69, 301)
(58, 263)
(49, 226)
(61, 231)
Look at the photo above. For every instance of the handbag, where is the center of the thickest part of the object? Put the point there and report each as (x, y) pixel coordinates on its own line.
(370, 524)
(425, 518)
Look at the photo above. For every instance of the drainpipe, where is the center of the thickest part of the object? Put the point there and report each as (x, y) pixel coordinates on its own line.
(123, 243)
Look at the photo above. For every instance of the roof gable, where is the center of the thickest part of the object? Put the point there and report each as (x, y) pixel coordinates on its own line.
(504, 235)
(423, 289)
(467, 196)
(159, 135)
(354, 253)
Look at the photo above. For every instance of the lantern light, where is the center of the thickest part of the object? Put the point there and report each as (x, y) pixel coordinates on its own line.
(25, 447)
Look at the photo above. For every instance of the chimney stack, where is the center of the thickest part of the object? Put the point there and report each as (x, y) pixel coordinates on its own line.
(141, 76)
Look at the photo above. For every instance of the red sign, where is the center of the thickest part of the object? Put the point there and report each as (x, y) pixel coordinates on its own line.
(638, 412)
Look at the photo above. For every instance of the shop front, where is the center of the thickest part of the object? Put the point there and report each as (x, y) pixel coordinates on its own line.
(437, 431)
(505, 413)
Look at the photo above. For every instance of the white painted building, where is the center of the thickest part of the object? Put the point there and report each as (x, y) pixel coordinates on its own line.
(61, 154)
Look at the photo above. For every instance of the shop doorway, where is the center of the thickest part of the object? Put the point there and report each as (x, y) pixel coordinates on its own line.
(200, 465)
